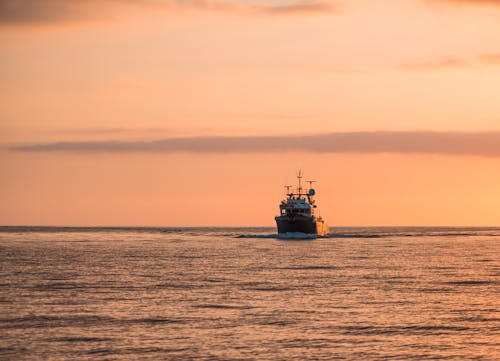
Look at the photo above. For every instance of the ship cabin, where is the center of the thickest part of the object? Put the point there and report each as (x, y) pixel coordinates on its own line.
(294, 206)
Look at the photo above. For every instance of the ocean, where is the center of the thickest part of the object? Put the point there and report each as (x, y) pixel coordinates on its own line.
(243, 294)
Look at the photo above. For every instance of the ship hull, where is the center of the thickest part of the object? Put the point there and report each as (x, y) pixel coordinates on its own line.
(301, 225)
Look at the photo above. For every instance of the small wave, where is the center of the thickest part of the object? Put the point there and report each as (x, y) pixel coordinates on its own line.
(478, 319)
(279, 323)
(178, 286)
(360, 235)
(224, 306)
(215, 280)
(310, 268)
(135, 351)
(82, 320)
(256, 236)
(367, 235)
(101, 351)
(301, 343)
(154, 320)
(29, 322)
(390, 330)
(80, 339)
(419, 232)
(7, 351)
(297, 235)
(471, 283)
(270, 289)
(436, 290)
(285, 236)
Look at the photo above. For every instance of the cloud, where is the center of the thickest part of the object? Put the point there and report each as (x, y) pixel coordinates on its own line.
(445, 143)
(443, 63)
(33, 11)
(298, 7)
(55, 11)
(453, 62)
(492, 58)
(469, 2)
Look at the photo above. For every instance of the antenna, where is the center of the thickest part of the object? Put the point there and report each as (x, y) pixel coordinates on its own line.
(299, 176)
(288, 189)
(311, 183)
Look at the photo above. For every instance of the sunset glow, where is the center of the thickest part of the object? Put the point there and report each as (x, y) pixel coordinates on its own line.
(197, 113)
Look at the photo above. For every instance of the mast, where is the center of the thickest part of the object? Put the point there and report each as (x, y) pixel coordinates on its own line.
(299, 176)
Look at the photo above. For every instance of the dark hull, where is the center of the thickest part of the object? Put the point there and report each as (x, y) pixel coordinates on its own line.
(301, 225)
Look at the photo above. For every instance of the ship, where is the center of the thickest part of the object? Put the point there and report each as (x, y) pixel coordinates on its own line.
(298, 212)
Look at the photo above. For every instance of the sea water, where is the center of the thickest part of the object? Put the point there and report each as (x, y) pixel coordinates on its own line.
(244, 294)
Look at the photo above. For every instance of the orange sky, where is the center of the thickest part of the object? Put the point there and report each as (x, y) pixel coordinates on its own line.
(138, 71)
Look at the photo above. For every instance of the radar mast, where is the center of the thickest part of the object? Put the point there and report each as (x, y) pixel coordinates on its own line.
(299, 176)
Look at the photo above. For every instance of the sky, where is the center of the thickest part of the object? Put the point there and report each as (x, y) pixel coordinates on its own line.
(198, 112)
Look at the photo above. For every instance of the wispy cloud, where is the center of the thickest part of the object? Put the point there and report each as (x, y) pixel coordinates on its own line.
(443, 63)
(46, 11)
(297, 7)
(446, 143)
(492, 58)
(55, 11)
(453, 62)
(468, 2)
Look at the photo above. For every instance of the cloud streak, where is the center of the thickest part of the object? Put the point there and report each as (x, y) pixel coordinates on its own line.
(55, 11)
(298, 7)
(444, 63)
(492, 58)
(453, 62)
(469, 2)
(445, 143)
